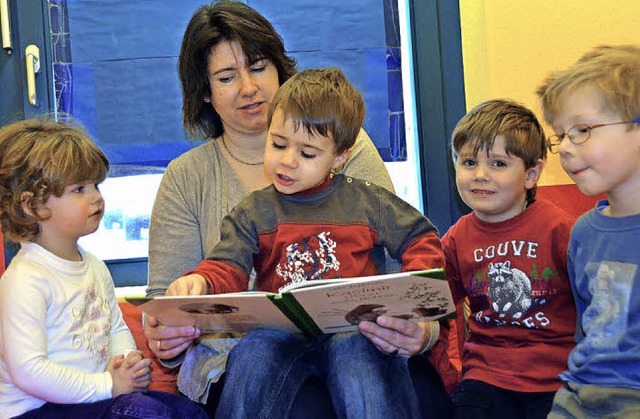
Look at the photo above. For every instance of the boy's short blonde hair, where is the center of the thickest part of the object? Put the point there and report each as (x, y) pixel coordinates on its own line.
(324, 102)
(39, 158)
(612, 71)
(522, 132)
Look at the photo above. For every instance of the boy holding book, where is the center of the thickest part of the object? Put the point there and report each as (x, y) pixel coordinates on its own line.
(310, 224)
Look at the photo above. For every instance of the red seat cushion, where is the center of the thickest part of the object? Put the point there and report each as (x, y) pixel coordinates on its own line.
(569, 198)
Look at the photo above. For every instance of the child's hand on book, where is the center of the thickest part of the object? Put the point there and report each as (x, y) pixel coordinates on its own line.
(188, 285)
(395, 336)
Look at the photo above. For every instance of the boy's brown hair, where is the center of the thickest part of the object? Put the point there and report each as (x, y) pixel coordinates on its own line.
(324, 102)
(612, 71)
(39, 158)
(523, 134)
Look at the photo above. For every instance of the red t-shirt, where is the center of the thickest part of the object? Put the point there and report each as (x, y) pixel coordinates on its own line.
(522, 321)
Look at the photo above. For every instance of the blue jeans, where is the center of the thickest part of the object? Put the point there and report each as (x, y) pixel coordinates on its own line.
(268, 367)
(151, 404)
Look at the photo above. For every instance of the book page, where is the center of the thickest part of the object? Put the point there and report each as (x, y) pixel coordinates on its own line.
(237, 312)
(340, 307)
(316, 282)
(312, 283)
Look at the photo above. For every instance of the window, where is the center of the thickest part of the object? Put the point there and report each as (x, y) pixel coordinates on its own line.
(129, 192)
(120, 82)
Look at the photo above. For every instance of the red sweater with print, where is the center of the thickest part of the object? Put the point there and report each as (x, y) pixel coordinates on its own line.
(327, 232)
(522, 321)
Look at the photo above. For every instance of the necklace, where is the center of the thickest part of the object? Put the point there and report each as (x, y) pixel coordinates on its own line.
(238, 159)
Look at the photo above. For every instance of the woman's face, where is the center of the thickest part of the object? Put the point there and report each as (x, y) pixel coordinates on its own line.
(241, 93)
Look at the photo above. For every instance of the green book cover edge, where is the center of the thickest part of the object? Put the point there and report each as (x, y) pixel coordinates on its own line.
(291, 308)
(437, 273)
(136, 301)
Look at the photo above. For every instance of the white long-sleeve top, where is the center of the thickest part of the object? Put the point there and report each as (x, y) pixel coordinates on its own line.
(59, 325)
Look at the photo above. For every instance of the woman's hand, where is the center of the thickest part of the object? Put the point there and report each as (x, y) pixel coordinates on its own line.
(396, 336)
(170, 341)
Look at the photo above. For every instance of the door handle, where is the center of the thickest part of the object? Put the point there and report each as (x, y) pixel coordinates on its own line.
(32, 54)
(5, 26)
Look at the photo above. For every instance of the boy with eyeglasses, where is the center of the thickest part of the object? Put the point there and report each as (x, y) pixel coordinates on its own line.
(595, 105)
(508, 257)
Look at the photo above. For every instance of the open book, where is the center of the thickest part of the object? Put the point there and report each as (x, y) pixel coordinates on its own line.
(312, 307)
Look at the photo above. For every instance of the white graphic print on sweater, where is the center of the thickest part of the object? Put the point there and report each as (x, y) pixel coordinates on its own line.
(509, 289)
(91, 328)
(310, 259)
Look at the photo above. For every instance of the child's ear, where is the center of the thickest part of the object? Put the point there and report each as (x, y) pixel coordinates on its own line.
(341, 160)
(26, 200)
(533, 174)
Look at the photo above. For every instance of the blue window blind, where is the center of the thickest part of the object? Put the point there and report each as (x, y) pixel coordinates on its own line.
(122, 84)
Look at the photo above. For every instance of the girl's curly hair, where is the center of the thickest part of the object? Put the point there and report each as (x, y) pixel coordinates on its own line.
(40, 157)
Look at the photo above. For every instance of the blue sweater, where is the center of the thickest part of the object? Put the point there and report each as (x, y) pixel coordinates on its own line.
(604, 259)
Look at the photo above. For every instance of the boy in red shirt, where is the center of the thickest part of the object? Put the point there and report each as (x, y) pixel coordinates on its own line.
(508, 258)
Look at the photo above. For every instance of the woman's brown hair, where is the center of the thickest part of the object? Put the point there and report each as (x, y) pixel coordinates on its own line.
(218, 22)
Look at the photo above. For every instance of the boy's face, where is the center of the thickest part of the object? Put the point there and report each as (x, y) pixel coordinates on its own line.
(74, 214)
(494, 185)
(296, 161)
(609, 161)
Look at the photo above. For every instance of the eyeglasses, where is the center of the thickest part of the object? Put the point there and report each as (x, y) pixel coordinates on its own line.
(579, 134)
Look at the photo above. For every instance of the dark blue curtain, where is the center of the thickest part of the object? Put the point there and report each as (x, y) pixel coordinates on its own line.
(115, 67)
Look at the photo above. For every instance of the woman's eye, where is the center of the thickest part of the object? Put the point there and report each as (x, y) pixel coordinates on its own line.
(259, 66)
(224, 77)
